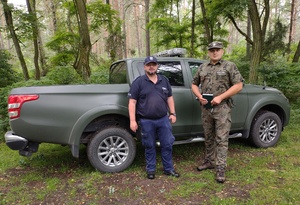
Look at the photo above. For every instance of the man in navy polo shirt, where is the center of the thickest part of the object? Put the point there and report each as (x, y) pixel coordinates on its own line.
(150, 100)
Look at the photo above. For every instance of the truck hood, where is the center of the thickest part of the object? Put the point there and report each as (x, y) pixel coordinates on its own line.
(260, 89)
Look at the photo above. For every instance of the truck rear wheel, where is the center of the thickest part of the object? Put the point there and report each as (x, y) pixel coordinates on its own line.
(265, 129)
(111, 150)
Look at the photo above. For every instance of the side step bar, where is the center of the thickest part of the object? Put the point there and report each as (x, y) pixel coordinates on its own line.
(199, 139)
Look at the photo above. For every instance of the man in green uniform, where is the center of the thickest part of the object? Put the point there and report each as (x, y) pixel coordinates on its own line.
(222, 79)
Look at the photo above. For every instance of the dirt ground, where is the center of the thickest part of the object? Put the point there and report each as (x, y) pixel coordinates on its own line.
(118, 188)
(128, 187)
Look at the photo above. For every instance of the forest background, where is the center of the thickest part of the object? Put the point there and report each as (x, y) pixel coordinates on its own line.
(45, 42)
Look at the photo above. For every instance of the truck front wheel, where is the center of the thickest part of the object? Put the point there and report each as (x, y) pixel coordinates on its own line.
(111, 150)
(266, 129)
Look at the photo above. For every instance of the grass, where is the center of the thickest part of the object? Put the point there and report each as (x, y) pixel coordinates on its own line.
(254, 176)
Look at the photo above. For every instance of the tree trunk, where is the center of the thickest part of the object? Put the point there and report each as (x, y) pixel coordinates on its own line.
(147, 29)
(257, 42)
(137, 28)
(53, 15)
(248, 46)
(291, 27)
(297, 54)
(178, 22)
(206, 23)
(1, 40)
(81, 64)
(124, 30)
(193, 40)
(42, 55)
(31, 10)
(258, 37)
(10, 25)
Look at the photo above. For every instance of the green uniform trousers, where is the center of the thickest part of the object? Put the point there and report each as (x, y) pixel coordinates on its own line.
(216, 124)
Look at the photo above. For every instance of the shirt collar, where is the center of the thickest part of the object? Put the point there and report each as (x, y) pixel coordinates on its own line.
(158, 78)
(219, 62)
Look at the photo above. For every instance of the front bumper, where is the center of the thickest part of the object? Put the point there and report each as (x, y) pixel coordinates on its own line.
(15, 142)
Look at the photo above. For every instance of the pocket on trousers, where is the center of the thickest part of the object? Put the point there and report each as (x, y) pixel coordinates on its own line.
(146, 140)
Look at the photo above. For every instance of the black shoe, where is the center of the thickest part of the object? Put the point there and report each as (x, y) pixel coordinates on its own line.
(150, 176)
(172, 173)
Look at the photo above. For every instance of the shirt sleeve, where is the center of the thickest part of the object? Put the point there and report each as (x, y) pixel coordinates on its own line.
(134, 89)
(235, 75)
(196, 79)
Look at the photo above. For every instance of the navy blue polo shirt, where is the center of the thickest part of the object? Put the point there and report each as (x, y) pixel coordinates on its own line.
(151, 98)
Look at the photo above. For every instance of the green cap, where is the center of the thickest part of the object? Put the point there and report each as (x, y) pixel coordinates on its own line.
(215, 44)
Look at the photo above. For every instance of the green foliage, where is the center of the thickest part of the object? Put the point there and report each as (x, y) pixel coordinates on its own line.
(172, 28)
(23, 23)
(64, 75)
(238, 57)
(275, 40)
(7, 75)
(283, 76)
(4, 125)
(275, 72)
(65, 46)
(243, 67)
(219, 12)
(169, 29)
(177, 32)
(101, 15)
(113, 42)
(100, 75)
(227, 8)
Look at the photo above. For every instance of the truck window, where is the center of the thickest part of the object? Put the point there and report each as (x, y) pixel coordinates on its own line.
(172, 70)
(117, 73)
(194, 67)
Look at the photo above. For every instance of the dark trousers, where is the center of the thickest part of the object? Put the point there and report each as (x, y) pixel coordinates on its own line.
(158, 129)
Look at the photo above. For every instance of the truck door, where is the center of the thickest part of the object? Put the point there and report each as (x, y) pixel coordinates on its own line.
(174, 71)
(239, 111)
(196, 109)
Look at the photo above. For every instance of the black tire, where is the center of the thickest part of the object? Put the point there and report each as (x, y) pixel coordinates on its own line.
(265, 129)
(112, 149)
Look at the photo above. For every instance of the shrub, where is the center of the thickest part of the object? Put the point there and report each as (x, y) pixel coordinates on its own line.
(100, 75)
(283, 76)
(64, 75)
(7, 74)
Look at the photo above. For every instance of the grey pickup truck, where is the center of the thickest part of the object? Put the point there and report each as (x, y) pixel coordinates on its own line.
(97, 115)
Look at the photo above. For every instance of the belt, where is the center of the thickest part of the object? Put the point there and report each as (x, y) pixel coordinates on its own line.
(149, 118)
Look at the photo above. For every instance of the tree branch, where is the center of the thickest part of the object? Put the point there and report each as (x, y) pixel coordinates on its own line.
(247, 38)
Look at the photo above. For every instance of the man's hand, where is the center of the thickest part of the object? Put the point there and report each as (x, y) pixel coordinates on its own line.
(216, 101)
(134, 126)
(203, 101)
(172, 119)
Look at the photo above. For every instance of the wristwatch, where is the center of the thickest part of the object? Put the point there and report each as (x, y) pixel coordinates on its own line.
(171, 113)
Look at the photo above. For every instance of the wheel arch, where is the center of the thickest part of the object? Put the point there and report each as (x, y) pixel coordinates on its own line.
(277, 109)
(99, 113)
